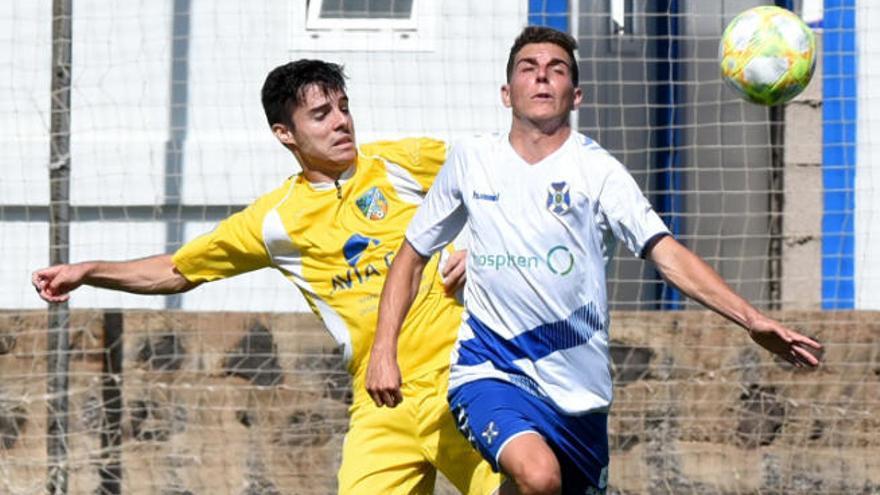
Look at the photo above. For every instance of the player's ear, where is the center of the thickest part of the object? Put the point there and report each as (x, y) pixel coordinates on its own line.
(505, 95)
(284, 134)
(578, 97)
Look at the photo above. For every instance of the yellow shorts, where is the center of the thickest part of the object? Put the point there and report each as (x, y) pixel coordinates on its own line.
(400, 450)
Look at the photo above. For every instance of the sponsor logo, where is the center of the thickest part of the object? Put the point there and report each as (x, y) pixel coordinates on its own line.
(486, 197)
(353, 250)
(506, 260)
(355, 246)
(559, 260)
(373, 204)
(558, 198)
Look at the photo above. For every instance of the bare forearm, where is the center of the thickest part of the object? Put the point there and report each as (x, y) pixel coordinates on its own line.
(153, 275)
(694, 277)
(398, 294)
(699, 281)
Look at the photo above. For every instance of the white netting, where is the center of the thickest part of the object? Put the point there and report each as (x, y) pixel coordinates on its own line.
(231, 388)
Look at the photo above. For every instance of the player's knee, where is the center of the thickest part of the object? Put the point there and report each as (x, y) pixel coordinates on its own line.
(532, 465)
(545, 481)
(540, 476)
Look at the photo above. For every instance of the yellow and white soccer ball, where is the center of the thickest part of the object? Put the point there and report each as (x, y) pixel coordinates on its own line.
(767, 55)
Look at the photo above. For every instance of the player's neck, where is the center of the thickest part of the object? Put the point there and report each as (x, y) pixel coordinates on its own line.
(317, 176)
(534, 143)
(317, 172)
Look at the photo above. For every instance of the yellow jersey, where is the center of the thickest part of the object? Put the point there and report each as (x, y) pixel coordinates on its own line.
(335, 242)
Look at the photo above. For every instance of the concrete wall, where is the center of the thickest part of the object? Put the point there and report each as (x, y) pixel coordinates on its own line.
(166, 125)
(238, 403)
(867, 204)
(802, 217)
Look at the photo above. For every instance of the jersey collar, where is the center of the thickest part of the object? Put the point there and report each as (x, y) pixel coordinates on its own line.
(343, 178)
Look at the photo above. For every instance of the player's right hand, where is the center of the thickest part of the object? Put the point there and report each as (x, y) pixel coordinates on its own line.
(54, 283)
(383, 379)
(799, 350)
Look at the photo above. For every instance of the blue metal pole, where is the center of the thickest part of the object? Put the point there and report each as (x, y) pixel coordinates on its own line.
(667, 130)
(839, 112)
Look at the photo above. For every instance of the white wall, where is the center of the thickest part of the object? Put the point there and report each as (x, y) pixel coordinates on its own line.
(447, 88)
(867, 225)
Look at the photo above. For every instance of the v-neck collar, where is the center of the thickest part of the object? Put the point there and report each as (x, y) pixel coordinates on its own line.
(540, 163)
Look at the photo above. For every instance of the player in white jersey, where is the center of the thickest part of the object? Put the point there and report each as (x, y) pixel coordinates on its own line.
(530, 384)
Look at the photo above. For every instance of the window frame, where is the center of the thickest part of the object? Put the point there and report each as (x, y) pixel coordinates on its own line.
(416, 34)
(314, 21)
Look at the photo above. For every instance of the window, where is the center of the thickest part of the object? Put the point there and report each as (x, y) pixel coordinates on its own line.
(361, 14)
(369, 25)
(368, 9)
(622, 17)
(622, 25)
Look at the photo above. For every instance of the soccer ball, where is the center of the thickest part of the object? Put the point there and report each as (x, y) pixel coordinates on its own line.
(767, 55)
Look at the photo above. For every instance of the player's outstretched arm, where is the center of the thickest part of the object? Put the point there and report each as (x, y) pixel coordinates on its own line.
(401, 286)
(152, 275)
(693, 276)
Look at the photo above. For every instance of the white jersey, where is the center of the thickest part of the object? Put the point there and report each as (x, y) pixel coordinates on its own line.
(541, 236)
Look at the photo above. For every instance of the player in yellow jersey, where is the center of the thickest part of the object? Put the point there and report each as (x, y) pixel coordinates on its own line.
(332, 230)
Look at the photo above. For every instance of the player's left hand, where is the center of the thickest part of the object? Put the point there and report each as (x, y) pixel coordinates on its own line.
(383, 379)
(454, 273)
(797, 349)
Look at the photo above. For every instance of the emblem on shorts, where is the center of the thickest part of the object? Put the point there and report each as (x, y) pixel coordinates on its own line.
(373, 204)
(558, 198)
(490, 433)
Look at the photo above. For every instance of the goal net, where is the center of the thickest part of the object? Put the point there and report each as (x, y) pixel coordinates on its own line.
(236, 388)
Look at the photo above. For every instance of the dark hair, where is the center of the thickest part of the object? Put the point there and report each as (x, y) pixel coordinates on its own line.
(542, 34)
(286, 85)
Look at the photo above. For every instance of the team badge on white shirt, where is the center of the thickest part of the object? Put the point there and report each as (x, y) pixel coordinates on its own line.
(558, 198)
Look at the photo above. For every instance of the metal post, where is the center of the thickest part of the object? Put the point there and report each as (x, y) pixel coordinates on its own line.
(111, 394)
(177, 128)
(776, 206)
(59, 231)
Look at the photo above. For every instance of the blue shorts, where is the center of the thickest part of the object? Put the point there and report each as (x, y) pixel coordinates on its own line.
(490, 413)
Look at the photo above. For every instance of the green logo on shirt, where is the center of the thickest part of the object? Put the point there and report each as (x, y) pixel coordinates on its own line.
(559, 261)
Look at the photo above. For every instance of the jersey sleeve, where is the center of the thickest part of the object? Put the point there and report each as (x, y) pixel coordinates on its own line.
(422, 158)
(235, 246)
(628, 213)
(443, 214)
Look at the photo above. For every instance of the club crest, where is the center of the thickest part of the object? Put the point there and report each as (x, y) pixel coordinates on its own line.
(490, 433)
(558, 198)
(373, 204)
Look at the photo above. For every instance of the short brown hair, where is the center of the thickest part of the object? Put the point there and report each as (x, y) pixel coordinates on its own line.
(285, 86)
(542, 34)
